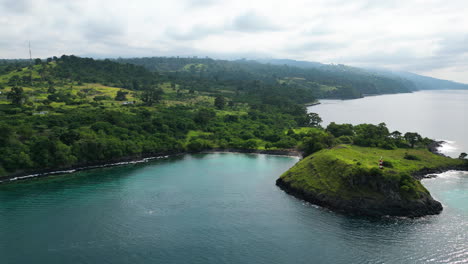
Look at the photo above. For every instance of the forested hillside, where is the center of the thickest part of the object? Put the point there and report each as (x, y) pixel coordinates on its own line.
(418, 82)
(323, 82)
(72, 111)
(426, 83)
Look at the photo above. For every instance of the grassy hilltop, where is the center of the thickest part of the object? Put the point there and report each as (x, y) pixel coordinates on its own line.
(348, 178)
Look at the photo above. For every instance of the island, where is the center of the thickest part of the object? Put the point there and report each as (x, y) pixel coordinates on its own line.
(349, 179)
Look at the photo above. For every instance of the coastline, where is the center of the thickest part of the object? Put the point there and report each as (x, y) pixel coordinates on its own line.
(363, 206)
(312, 104)
(20, 176)
(390, 209)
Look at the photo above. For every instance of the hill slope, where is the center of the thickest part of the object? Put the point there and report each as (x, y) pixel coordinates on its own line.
(70, 111)
(347, 178)
(323, 82)
(419, 82)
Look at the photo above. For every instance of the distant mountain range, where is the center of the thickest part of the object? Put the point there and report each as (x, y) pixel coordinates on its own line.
(313, 78)
(421, 82)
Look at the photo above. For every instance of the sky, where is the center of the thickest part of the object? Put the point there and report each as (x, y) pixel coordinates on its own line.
(428, 37)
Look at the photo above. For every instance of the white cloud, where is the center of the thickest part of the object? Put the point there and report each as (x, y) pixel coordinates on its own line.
(425, 36)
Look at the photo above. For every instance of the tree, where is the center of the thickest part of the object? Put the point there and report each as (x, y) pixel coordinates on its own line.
(412, 138)
(51, 89)
(462, 155)
(220, 102)
(338, 130)
(121, 95)
(396, 135)
(316, 141)
(14, 80)
(204, 115)
(37, 61)
(152, 95)
(314, 119)
(17, 96)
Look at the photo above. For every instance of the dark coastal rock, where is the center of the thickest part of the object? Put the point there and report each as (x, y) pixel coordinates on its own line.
(344, 180)
(392, 206)
(434, 147)
(427, 173)
(29, 174)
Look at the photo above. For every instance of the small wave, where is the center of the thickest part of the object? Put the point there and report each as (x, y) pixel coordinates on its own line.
(84, 168)
(447, 146)
(452, 174)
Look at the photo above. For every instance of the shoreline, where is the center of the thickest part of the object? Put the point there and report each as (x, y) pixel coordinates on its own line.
(33, 174)
(352, 208)
(425, 173)
(425, 205)
(312, 104)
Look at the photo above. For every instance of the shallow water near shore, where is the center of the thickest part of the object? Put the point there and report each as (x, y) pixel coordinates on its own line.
(213, 208)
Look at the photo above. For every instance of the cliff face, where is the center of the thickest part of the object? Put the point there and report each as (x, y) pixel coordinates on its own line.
(393, 204)
(345, 179)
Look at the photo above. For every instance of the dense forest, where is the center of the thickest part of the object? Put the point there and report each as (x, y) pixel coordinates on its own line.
(413, 81)
(327, 81)
(70, 111)
(67, 111)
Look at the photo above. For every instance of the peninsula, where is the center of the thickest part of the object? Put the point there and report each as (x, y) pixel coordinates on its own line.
(348, 179)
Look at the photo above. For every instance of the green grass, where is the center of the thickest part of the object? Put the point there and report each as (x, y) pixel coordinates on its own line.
(306, 130)
(369, 158)
(329, 171)
(196, 134)
(327, 88)
(197, 67)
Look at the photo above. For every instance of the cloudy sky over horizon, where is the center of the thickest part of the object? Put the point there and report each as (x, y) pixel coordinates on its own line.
(429, 37)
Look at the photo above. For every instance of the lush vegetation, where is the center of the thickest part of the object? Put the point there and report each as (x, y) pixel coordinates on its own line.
(326, 81)
(349, 171)
(343, 163)
(69, 111)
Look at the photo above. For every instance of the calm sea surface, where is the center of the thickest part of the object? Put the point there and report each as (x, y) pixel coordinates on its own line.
(217, 208)
(441, 115)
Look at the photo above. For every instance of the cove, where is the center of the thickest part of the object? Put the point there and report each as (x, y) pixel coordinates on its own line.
(211, 208)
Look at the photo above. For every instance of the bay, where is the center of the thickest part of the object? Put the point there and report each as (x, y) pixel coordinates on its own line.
(225, 208)
(213, 208)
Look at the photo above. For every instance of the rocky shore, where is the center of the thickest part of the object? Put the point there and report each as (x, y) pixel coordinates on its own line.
(434, 147)
(329, 180)
(24, 175)
(394, 205)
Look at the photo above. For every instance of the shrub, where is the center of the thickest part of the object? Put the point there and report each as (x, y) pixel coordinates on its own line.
(250, 144)
(345, 140)
(387, 164)
(102, 98)
(411, 157)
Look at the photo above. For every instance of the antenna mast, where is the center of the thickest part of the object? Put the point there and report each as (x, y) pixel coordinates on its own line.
(30, 56)
(30, 63)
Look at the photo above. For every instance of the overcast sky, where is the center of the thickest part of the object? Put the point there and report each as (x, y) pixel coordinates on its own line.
(422, 36)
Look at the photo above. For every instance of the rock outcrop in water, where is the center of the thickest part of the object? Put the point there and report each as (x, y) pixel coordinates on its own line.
(345, 179)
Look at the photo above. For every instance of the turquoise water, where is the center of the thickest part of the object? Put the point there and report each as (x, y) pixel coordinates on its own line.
(214, 208)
